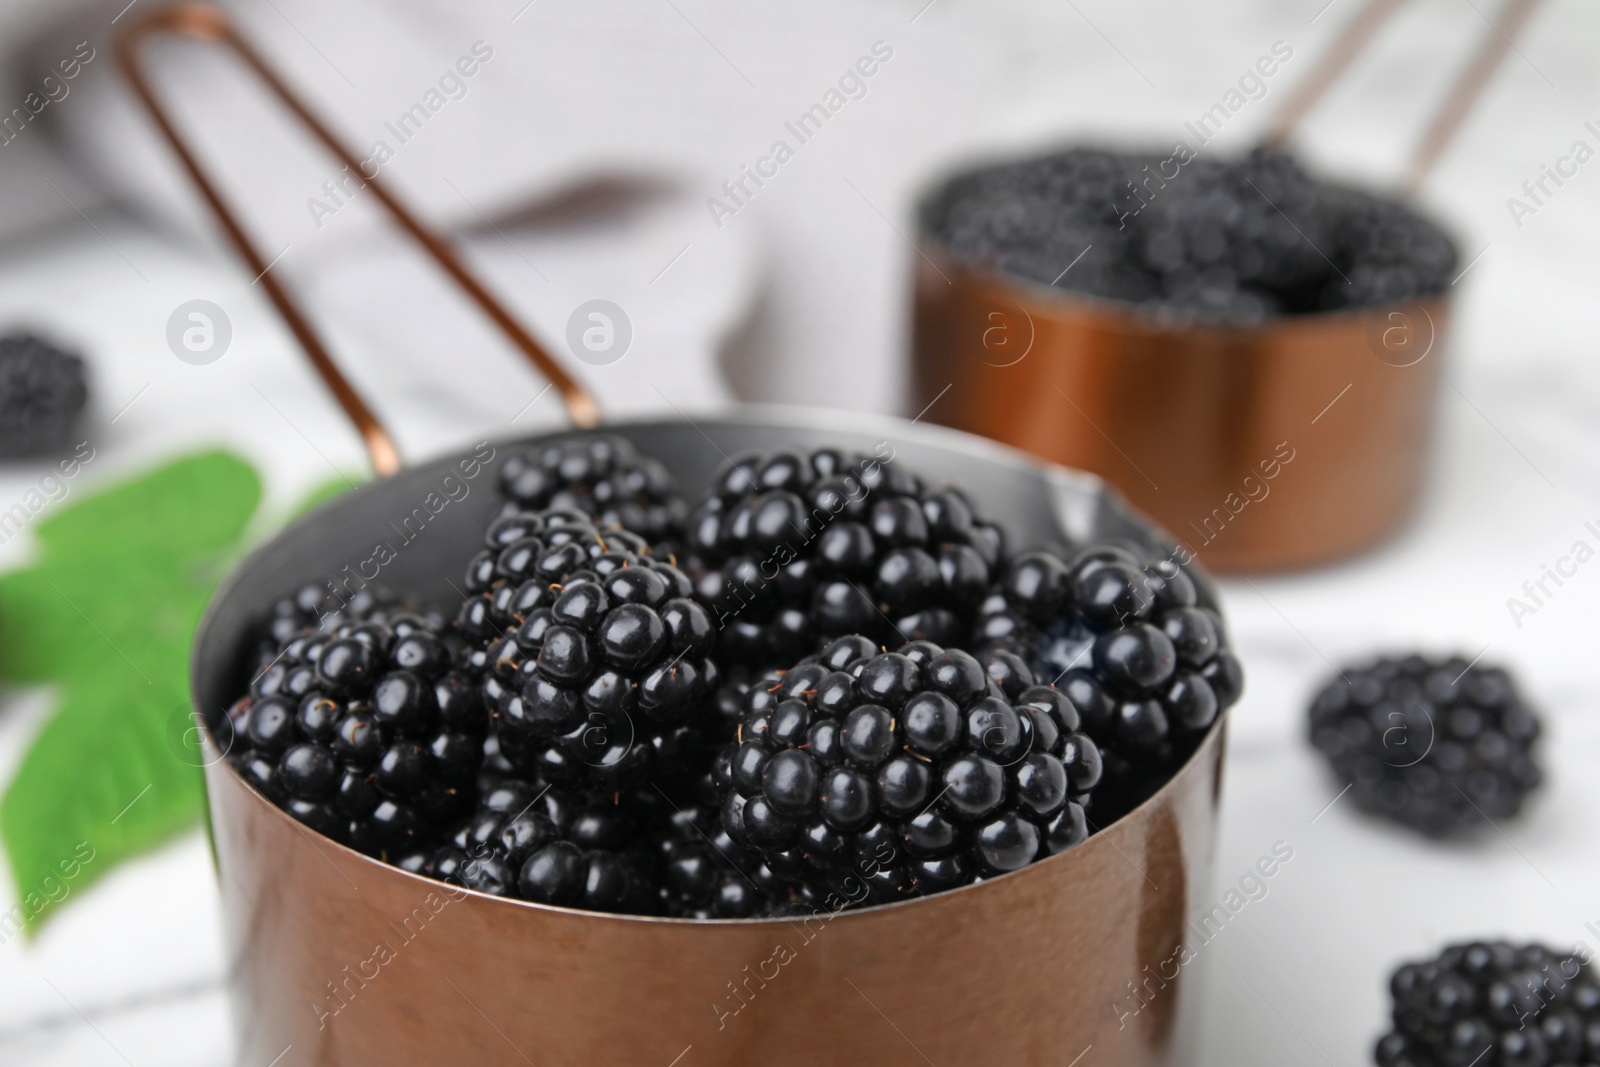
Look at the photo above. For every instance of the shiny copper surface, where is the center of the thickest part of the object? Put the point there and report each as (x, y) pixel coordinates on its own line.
(1193, 425)
(208, 23)
(348, 961)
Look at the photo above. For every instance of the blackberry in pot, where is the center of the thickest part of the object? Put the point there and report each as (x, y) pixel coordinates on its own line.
(793, 546)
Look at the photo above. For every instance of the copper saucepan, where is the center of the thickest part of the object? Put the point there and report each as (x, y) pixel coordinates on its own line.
(1294, 442)
(336, 958)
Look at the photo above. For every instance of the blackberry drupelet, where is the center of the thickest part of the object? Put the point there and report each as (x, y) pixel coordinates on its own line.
(1126, 640)
(1225, 242)
(905, 772)
(542, 844)
(601, 475)
(1439, 745)
(43, 391)
(594, 660)
(371, 733)
(791, 547)
(1494, 1005)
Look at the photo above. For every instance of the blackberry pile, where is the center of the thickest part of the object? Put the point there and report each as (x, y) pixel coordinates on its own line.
(603, 476)
(1494, 1005)
(1126, 641)
(1233, 243)
(790, 548)
(909, 771)
(595, 728)
(371, 733)
(1439, 745)
(43, 391)
(593, 658)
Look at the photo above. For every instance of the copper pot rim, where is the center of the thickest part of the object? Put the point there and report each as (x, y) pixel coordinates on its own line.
(1127, 315)
(752, 415)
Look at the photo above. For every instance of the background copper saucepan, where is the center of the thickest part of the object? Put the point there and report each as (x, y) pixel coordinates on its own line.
(1295, 442)
(346, 960)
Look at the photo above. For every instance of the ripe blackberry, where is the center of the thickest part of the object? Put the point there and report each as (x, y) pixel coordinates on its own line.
(1435, 744)
(601, 475)
(42, 393)
(594, 659)
(702, 874)
(791, 547)
(907, 772)
(371, 733)
(1197, 240)
(542, 844)
(1495, 1005)
(1147, 668)
(316, 606)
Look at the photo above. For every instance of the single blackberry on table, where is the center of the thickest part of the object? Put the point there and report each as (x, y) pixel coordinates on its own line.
(371, 732)
(790, 547)
(601, 475)
(1127, 641)
(594, 659)
(1443, 746)
(43, 391)
(1494, 1005)
(904, 772)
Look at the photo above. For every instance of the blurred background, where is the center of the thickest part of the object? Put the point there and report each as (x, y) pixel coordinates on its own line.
(589, 156)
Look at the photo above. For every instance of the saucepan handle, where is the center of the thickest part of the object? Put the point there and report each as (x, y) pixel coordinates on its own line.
(208, 23)
(1353, 39)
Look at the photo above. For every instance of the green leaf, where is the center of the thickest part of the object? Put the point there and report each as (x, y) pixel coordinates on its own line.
(108, 615)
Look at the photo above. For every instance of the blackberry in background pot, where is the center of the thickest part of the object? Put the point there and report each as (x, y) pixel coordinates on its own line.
(370, 733)
(43, 392)
(1438, 745)
(902, 772)
(1126, 640)
(791, 547)
(603, 476)
(1232, 243)
(594, 659)
(1493, 1003)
